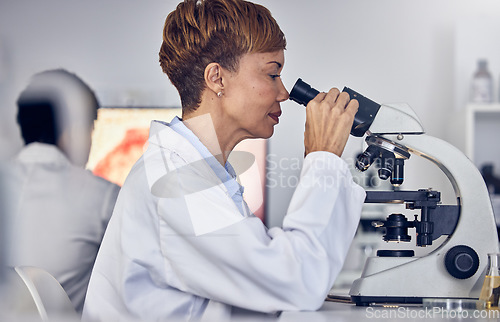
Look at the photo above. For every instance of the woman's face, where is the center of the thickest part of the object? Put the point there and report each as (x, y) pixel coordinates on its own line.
(252, 95)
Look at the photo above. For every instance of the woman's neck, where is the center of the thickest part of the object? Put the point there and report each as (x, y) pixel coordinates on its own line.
(217, 138)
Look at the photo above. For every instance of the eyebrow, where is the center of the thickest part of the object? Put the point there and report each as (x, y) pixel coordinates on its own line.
(275, 62)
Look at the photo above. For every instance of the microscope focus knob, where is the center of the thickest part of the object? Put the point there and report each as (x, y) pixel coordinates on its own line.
(461, 262)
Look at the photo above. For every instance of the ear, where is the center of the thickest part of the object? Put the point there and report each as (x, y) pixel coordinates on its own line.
(213, 77)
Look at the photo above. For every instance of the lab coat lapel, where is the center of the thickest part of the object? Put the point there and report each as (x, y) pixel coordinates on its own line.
(175, 169)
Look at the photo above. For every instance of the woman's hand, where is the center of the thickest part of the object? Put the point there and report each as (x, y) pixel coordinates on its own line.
(329, 118)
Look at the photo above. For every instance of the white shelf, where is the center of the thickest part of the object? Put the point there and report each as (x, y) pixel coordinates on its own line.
(482, 132)
(484, 107)
(475, 130)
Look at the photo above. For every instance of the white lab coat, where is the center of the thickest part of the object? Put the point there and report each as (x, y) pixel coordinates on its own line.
(177, 246)
(56, 215)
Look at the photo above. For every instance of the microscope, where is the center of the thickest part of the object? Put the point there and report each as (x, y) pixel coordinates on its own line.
(456, 268)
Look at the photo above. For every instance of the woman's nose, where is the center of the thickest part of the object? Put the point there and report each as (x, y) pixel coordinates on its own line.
(283, 93)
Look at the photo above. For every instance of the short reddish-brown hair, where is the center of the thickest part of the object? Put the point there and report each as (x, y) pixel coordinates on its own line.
(199, 32)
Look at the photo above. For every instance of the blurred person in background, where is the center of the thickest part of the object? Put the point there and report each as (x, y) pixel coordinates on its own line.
(58, 211)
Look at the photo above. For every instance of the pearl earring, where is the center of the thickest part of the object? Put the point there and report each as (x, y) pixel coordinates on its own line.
(219, 94)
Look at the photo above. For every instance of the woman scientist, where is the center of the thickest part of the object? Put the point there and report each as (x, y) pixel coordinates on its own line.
(182, 242)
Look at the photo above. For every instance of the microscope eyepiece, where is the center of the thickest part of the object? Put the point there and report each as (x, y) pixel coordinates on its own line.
(302, 92)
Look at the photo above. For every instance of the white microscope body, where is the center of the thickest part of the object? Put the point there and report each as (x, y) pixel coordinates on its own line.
(456, 268)
(451, 270)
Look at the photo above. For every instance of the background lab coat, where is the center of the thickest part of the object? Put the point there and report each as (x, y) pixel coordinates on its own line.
(58, 214)
(177, 246)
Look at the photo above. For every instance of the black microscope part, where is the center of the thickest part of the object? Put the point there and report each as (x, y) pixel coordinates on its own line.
(397, 175)
(367, 111)
(461, 261)
(435, 219)
(387, 160)
(302, 93)
(389, 166)
(364, 160)
(396, 227)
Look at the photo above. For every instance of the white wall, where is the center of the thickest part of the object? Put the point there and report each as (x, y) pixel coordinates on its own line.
(388, 50)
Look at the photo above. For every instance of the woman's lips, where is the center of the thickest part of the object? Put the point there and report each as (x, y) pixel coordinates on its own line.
(275, 116)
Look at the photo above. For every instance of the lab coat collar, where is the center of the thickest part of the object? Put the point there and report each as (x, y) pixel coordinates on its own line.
(226, 173)
(163, 136)
(177, 136)
(42, 153)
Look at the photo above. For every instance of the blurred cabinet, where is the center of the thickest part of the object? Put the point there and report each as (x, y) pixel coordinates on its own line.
(476, 131)
(482, 134)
